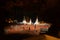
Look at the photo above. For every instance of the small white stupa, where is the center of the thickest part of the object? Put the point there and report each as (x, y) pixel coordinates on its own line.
(30, 22)
(24, 21)
(36, 22)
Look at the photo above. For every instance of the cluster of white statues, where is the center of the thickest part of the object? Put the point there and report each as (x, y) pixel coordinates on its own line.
(30, 22)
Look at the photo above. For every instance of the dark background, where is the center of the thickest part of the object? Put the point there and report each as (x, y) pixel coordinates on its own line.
(46, 10)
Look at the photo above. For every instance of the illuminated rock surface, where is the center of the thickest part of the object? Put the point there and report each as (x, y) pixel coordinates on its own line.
(42, 37)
